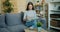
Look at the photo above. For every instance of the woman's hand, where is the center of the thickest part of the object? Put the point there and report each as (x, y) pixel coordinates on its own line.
(29, 18)
(25, 19)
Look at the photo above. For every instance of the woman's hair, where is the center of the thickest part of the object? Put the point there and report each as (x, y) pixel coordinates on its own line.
(29, 3)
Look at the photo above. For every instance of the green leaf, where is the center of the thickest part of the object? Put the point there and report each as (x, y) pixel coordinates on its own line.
(8, 5)
(39, 24)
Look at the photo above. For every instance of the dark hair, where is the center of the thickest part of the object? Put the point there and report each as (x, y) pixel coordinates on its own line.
(30, 3)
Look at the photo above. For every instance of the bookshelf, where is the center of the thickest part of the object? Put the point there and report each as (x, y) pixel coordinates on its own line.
(53, 14)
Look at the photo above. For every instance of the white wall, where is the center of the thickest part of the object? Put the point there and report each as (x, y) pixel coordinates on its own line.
(54, 6)
(52, 1)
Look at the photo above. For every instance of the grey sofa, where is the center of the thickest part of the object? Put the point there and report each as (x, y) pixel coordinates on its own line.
(11, 23)
(14, 22)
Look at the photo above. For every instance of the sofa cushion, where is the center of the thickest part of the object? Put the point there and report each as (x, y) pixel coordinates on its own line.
(16, 28)
(4, 30)
(2, 21)
(13, 19)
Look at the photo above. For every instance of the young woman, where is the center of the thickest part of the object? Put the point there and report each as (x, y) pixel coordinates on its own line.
(30, 15)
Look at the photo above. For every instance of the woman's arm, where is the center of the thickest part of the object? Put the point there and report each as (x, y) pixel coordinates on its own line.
(25, 16)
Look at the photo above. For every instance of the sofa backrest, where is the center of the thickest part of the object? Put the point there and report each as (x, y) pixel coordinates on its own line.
(13, 19)
(2, 21)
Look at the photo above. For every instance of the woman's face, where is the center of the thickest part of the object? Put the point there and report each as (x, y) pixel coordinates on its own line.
(30, 7)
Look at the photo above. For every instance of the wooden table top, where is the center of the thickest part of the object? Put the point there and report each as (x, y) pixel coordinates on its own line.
(35, 30)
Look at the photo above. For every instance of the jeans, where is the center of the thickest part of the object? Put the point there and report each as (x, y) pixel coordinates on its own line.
(43, 20)
(31, 23)
(34, 23)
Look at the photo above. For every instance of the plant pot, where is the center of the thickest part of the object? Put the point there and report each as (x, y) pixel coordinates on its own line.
(39, 29)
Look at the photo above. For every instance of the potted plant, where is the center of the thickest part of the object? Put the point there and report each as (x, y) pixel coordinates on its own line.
(7, 6)
(39, 24)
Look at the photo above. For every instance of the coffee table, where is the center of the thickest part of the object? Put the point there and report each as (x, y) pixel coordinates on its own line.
(34, 30)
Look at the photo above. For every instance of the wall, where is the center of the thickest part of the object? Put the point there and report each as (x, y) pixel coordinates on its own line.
(19, 5)
(0, 6)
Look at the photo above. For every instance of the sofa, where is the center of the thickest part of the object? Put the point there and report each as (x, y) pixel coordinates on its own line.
(12, 22)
